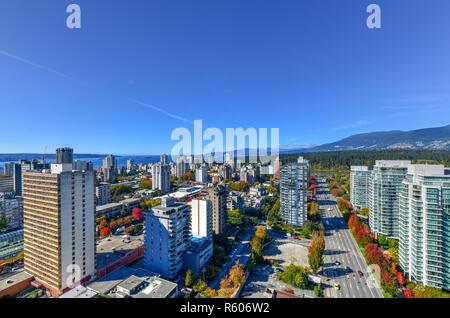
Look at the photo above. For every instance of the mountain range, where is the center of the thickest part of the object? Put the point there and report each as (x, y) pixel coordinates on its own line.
(429, 138)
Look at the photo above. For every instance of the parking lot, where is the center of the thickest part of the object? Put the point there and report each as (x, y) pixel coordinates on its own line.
(287, 251)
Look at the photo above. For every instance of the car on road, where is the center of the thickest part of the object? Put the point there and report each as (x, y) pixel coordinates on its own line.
(336, 286)
(337, 263)
(360, 274)
(296, 238)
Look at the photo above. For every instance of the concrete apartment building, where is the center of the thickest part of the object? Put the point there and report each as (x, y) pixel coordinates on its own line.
(167, 235)
(83, 165)
(164, 159)
(424, 225)
(182, 166)
(201, 174)
(161, 177)
(103, 193)
(14, 170)
(200, 247)
(359, 186)
(6, 183)
(218, 196)
(385, 184)
(59, 225)
(11, 207)
(226, 172)
(294, 180)
(109, 168)
(201, 218)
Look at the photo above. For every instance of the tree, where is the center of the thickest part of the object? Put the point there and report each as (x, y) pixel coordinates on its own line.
(127, 220)
(105, 232)
(189, 280)
(393, 269)
(199, 286)
(316, 250)
(262, 235)
(129, 230)
(226, 288)
(3, 222)
(408, 293)
(209, 293)
(401, 280)
(103, 224)
(382, 241)
(237, 274)
(112, 225)
(119, 222)
(137, 214)
(256, 254)
(211, 272)
(235, 217)
(123, 213)
(295, 275)
(145, 184)
(138, 227)
(365, 211)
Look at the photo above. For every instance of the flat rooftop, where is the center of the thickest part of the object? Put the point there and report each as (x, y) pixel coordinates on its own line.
(112, 248)
(108, 282)
(9, 280)
(108, 206)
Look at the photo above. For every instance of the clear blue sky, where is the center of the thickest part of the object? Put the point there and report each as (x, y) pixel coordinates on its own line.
(311, 68)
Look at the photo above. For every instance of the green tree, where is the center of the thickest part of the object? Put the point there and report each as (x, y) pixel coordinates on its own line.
(189, 280)
(3, 222)
(199, 285)
(235, 217)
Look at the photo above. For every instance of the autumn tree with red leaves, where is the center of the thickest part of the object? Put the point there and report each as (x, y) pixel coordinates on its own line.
(137, 214)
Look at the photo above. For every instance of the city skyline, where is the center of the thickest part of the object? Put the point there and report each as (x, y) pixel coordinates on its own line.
(254, 66)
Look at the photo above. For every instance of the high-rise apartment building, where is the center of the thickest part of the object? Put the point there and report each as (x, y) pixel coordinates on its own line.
(110, 162)
(6, 183)
(161, 177)
(167, 235)
(109, 168)
(59, 225)
(359, 186)
(11, 207)
(218, 196)
(385, 183)
(182, 167)
(164, 160)
(226, 172)
(293, 192)
(14, 170)
(424, 225)
(103, 193)
(201, 218)
(201, 174)
(64, 155)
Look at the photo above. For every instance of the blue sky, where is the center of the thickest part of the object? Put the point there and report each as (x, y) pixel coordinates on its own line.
(311, 68)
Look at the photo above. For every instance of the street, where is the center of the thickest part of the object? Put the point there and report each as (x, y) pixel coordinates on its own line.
(242, 253)
(340, 246)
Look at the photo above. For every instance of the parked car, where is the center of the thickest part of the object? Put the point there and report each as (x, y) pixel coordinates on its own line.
(336, 286)
(360, 274)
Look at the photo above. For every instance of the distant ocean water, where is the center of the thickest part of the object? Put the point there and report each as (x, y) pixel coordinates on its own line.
(98, 162)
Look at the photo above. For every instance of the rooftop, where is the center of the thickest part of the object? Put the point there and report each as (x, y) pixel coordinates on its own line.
(113, 248)
(7, 281)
